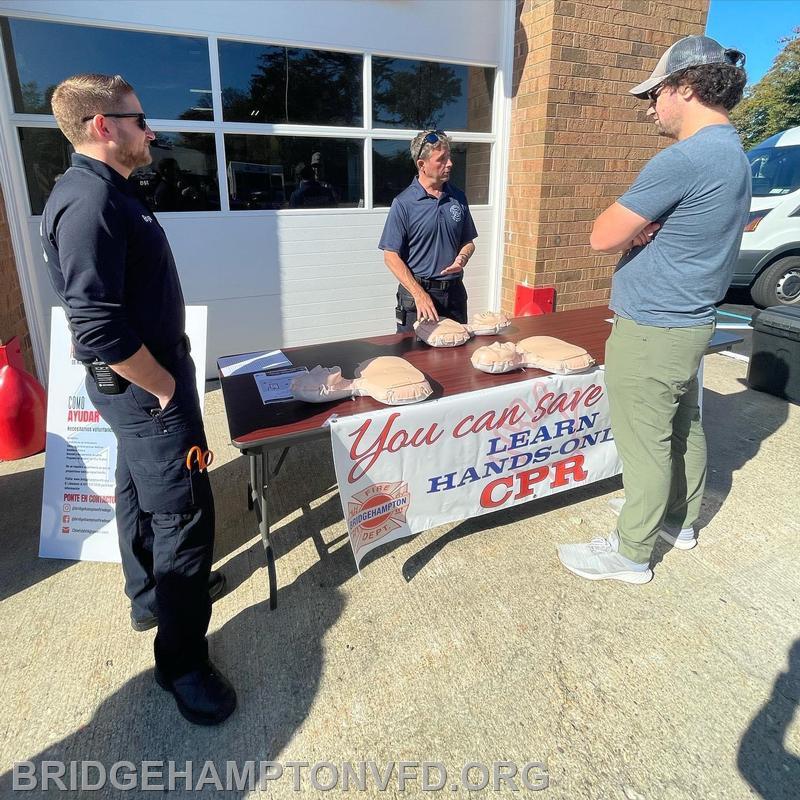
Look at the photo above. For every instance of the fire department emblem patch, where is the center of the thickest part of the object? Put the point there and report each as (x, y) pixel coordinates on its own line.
(375, 511)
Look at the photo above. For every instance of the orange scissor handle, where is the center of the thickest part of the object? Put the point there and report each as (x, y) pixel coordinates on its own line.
(203, 458)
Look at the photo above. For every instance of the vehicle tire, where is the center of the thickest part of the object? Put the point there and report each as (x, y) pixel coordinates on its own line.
(778, 284)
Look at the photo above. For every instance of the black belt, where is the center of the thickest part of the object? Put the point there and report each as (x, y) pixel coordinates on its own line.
(442, 286)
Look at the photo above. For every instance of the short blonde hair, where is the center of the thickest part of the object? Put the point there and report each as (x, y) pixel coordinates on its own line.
(84, 96)
(427, 148)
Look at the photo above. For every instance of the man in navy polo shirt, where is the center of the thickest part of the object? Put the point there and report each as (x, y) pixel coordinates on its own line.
(112, 269)
(427, 239)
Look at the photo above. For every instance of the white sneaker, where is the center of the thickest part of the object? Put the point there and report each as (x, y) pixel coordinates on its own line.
(684, 540)
(599, 560)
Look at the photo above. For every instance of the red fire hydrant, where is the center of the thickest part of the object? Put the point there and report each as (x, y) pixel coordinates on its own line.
(23, 406)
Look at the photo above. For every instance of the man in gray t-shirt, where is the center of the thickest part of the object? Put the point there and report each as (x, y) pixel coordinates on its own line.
(679, 227)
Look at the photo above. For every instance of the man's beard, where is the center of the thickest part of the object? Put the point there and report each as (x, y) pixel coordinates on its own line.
(132, 159)
(662, 131)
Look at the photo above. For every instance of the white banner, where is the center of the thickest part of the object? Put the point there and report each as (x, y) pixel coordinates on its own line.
(404, 470)
(79, 496)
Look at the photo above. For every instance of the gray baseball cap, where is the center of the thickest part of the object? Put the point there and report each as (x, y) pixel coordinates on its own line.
(691, 51)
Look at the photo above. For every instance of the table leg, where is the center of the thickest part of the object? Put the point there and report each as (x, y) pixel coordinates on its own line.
(252, 483)
(258, 501)
(263, 527)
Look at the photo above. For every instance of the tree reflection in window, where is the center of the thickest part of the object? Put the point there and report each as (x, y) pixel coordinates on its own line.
(270, 84)
(393, 170)
(427, 94)
(171, 74)
(45, 158)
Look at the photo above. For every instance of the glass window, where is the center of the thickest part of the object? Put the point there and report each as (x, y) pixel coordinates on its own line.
(294, 172)
(775, 170)
(471, 170)
(393, 170)
(182, 175)
(45, 158)
(265, 83)
(170, 74)
(427, 94)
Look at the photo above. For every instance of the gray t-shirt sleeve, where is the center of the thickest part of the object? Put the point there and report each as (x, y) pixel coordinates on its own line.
(660, 186)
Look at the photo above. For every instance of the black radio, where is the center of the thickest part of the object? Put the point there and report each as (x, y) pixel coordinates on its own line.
(106, 380)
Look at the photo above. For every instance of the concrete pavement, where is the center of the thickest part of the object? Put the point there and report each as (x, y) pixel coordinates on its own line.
(467, 643)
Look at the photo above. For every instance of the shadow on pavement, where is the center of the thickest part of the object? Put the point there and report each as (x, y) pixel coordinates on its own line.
(273, 658)
(416, 563)
(20, 517)
(763, 759)
(735, 426)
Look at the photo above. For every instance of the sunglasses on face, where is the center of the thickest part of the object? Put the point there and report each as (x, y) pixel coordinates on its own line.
(141, 119)
(653, 94)
(430, 138)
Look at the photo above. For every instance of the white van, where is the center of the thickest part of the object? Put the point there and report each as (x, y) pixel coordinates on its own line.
(769, 260)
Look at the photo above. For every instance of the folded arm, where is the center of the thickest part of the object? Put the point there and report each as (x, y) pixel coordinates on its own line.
(618, 229)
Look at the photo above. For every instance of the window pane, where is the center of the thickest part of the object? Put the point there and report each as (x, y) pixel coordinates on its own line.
(471, 170)
(775, 170)
(294, 172)
(45, 157)
(264, 83)
(393, 170)
(170, 74)
(182, 177)
(183, 174)
(426, 94)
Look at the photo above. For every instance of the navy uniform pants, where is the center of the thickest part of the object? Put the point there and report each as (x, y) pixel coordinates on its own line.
(449, 300)
(165, 514)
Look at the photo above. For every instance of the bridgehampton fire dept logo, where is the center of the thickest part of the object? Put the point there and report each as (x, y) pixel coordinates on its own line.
(377, 510)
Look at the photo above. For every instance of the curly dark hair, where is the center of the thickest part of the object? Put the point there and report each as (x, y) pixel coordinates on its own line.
(714, 84)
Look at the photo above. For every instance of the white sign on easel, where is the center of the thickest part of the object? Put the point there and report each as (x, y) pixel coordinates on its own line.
(78, 501)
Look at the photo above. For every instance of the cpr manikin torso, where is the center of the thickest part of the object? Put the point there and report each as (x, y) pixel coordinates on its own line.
(387, 379)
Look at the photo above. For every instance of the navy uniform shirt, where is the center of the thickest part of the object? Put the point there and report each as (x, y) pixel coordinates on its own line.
(110, 265)
(426, 232)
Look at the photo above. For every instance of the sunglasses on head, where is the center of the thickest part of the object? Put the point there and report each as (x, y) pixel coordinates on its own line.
(141, 119)
(653, 94)
(430, 138)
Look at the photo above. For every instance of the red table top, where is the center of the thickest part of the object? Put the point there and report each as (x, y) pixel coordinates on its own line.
(253, 424)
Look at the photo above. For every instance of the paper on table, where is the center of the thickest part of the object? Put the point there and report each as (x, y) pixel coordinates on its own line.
(277, 384)
(252, 362)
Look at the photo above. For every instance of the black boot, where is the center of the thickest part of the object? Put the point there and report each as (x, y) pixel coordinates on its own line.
(204, 695)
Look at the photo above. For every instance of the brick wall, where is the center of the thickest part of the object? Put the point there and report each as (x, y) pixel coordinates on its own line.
(12, 312)
(480, 91)
(577, 138)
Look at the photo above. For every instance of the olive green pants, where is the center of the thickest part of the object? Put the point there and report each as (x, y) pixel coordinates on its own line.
(651, 375)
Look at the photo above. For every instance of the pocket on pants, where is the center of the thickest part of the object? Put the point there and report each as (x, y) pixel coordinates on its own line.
(405, 301)
(157, 465)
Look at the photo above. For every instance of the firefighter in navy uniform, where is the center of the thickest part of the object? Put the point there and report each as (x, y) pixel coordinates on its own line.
(113, 271)
(428, 237)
